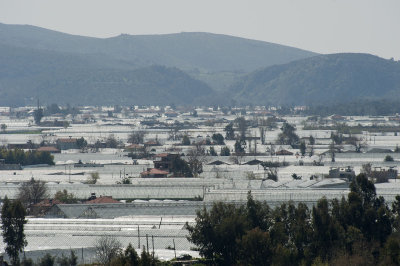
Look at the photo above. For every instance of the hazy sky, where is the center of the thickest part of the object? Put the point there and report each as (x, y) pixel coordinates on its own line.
(324, 26)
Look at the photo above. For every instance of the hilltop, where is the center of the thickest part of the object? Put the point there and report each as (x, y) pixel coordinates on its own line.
(332, 78)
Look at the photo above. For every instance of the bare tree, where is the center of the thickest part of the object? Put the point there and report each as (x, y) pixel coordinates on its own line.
(32, 192)
(358, 143)
(136, 137)
(196, 158)
(107, 248)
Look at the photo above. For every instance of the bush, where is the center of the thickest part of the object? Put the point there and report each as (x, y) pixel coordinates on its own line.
(388, 158)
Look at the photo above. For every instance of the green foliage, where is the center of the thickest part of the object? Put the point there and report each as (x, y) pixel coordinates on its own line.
(181, 168)
(111, 142)
(388, 158)
(185, 140)
(72, 260)
(65, 197)
(38, 115)
(288, 135)
(229, 132)
(47, 260)
(17, 156)
(225, 151)
(218, 139)
(239, 147)
(357, 230)
(92, 179)
(312, 140)
(12, 225)
(81, 143)
(302, 148)
(213, 152)
(324, 79)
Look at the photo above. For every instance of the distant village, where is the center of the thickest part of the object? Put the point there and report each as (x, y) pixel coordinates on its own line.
(97, 163)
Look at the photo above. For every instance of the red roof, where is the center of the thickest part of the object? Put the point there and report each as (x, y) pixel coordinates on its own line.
(48, 148)
(47, 203)
(103, 200)
(134, 146)
(161, 155)
(155, 171)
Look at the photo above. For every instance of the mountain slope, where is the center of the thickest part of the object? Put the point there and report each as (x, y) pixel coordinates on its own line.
(53, 77)
(187, 51)
(321, 79)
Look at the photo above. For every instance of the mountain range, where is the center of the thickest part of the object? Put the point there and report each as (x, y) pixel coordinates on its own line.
(183, 68)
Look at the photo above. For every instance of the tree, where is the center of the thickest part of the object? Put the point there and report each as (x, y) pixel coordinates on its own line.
(136, 137)
(111, 142)
(81, 143)
(47, 260)
(242, 126)
(213, 152)
(12, 224)
(32, 192)
(196, 158)
(216, 231)
(65, 197)
(38, 115)
(312, 140)
(128, 257)
(185, 140)
(72, 260)
(388, 158)
(229, 132)
(218, 139)
(359, 144)
(332, 151)
(107, 248)
(239, 147)
(256, 248)
(225, 151)
(288, 135)
(302, 148)
(92, 179)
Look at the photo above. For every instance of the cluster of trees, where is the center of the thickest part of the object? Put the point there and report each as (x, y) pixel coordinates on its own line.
(49, 260)
(17, 156)
(288, 135)
(109, 252)
(358, 230)
(361, 107)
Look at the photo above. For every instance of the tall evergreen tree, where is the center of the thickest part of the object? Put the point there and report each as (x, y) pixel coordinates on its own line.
(12, 224)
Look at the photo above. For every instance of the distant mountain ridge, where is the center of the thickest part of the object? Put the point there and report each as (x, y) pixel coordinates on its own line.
(183, 68)
(27, 75)
(187, 51)
(332, 78)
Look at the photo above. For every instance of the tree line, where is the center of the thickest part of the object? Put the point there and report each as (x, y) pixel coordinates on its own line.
(358, 230)
(18, 156)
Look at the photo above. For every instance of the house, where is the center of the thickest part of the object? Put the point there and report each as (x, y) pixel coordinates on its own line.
(154, 173)
(102, 200)
(342, 172)
(39, 209)
(164, 160)
(67, 143)
(151, 143)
